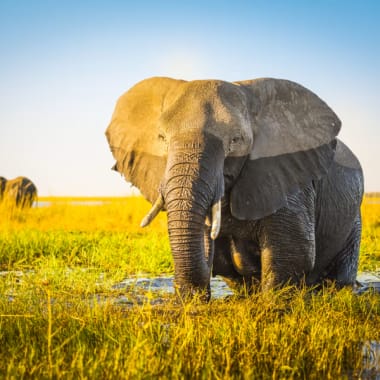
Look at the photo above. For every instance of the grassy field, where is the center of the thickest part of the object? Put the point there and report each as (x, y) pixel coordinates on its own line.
(58, 318)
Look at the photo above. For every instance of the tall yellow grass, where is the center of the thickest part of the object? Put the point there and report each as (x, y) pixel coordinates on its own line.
(60, 316)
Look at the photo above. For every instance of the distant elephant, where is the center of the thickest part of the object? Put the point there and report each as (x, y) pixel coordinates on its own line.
(20, 191)
(255, 184)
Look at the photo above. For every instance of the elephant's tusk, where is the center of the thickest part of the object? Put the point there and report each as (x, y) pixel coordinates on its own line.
(156, 208)
(216, 219)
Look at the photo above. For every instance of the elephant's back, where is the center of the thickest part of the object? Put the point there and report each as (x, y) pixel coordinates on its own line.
(341, 190)
(338, 199)
(345, 157)
(21, 191)
(346, 176)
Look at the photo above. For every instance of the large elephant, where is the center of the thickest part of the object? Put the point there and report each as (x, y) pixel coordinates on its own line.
(255, 184)
(19, 192)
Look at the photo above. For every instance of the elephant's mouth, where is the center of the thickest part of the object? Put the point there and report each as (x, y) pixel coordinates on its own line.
(216, 215)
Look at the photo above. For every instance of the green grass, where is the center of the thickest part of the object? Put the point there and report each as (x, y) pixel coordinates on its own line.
(59, 317)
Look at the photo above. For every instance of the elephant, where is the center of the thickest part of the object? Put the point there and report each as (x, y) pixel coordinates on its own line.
(20, 192)
(257, 187)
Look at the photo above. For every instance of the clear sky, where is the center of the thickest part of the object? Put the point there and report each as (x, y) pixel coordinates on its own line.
(63, 64)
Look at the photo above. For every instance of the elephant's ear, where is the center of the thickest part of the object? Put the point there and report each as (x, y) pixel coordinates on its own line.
(294, 143)
(134, 136)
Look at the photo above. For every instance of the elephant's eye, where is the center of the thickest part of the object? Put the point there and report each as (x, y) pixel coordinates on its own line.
(236, 139)
(234, 143)
(161, 137)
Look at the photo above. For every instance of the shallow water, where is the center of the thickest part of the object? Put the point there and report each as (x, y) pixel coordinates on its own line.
(366, 281)
(371, 360)
(142, 289)
(70, 202)
(374, 201)
(154, 289)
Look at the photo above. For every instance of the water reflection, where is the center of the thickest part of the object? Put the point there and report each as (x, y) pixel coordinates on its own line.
(155, 289)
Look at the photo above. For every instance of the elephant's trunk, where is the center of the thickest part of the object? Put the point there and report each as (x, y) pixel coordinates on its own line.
(193, 185)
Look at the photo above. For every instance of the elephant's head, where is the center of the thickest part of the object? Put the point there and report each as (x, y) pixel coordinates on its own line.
(185, 145)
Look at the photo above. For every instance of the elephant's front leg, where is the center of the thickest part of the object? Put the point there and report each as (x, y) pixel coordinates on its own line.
(287, 241)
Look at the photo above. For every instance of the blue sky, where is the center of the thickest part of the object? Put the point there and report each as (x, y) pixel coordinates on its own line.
(64, 63)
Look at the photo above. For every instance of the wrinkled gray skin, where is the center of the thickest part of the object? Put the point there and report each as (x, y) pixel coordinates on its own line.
(20, 191)
(290, 191)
